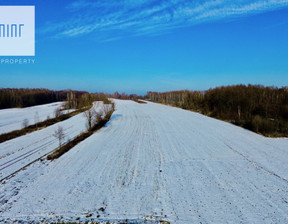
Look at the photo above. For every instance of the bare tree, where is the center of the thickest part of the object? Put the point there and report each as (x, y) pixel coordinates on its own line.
(59, 134)
(36, 118)
(25, 123)
(239, 112)
(57, 112)
(106, 108)
(92, 117)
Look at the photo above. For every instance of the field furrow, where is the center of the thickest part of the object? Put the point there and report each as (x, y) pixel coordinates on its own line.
(159, 162)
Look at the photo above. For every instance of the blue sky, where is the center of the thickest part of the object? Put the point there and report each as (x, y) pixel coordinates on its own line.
(148, 45)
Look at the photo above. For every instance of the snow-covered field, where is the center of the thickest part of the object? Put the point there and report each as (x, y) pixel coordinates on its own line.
(18, 152)
(12, 119)
(158, 161)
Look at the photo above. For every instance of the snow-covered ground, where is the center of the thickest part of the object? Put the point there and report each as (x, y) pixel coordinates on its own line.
(158, 161)
(12, 119)
(18, 152)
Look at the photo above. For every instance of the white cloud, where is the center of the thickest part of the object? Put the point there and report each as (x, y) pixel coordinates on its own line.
(148, 17)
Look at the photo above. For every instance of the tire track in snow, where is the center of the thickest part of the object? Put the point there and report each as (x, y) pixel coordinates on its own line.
(22, 151)
(21, 158)
(254, 163)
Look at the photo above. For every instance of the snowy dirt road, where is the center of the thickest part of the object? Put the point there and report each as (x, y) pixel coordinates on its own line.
(158, 161)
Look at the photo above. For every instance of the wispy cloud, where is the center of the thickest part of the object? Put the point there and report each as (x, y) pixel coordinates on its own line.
(115, 19)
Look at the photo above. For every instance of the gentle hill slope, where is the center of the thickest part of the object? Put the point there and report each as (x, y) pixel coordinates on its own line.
(155, 160)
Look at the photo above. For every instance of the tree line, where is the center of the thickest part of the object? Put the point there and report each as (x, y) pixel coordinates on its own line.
(255, 107)
(123, 96)
(10, 98)
(80, 101)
